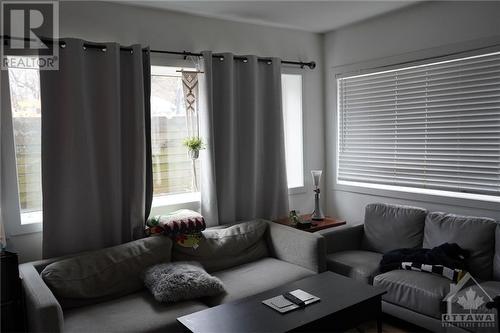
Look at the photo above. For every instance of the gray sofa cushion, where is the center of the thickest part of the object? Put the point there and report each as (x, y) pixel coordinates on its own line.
(359, 265)
(486, 290)
(109, 272)
(138, 312)
(390, 227)
(176, 281)
(222, 248)
(255, 277)
(417, 291)
(476, 234)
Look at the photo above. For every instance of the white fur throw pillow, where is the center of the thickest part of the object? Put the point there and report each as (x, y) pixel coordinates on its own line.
(177, 281)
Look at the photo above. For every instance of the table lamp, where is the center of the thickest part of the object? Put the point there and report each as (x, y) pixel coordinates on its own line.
(318, 212)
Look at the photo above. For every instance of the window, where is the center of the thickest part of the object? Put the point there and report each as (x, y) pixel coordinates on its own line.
(432, 128)
(24, 87)
(172, 168)
(292, 116)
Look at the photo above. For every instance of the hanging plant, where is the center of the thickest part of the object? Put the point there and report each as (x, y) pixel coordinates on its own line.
(194, 145)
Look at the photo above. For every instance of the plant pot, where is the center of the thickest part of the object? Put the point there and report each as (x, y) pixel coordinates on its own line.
(193, 154)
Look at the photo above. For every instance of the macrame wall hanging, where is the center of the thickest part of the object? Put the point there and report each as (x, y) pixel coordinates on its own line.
(190, 89)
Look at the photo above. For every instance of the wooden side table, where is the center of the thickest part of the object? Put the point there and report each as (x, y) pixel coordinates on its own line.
(328, 222)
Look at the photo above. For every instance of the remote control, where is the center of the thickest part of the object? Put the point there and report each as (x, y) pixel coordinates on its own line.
(294, 300)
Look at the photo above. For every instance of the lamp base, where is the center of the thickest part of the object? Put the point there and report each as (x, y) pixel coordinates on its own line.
(317, 215)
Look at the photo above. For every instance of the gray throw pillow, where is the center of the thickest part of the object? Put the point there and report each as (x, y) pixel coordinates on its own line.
(105, 273)
(178, 281)
(222, 248)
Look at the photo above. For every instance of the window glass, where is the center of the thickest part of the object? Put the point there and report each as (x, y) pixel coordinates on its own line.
(292, 117)
(172, 167)
(24, 87)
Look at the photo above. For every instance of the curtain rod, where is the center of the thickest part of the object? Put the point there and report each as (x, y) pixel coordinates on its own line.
(185, 54)
(302, 64)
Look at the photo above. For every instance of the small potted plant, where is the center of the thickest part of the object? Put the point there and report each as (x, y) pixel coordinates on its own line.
(194, 145)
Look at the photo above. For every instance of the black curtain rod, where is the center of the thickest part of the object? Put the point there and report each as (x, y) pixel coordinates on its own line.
(185, 54)
(302, 64)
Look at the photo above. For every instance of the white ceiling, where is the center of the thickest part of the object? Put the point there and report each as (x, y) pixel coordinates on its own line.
(313, 16)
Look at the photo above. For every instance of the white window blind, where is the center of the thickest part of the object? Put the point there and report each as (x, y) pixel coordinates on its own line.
(433, 126)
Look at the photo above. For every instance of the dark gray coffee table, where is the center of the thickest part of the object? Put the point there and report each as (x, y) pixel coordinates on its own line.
(344, 304)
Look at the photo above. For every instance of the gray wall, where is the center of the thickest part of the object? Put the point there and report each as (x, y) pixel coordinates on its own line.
(163, 30)
(420, 28)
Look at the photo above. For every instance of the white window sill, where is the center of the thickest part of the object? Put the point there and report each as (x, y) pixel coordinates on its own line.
(176, 199)
(424, 195)
(296, 190)
(31, 217)
(26, 223)
(32, 221)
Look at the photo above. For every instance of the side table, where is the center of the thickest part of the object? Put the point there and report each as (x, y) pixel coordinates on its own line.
(327, 222)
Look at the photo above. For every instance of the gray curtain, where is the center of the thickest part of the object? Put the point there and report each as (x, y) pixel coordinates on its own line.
(94, 147)
(244, 174)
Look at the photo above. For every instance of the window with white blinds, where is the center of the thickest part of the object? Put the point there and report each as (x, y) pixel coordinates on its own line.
(434, 126)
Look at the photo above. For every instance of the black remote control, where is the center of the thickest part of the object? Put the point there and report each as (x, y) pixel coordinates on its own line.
(294, 300)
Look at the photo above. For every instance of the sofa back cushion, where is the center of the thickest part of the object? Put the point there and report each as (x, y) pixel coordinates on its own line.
(475, 234)
(106, 273)
(222, 248)
(390, 227)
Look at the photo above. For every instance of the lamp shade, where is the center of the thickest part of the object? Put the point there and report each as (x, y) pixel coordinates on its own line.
(316, 174)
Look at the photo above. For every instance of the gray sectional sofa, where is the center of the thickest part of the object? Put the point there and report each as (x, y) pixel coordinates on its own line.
(270, 255)
(416, 297)
(282, 255)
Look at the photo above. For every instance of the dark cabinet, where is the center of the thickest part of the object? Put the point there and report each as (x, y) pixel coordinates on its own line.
(11, 294)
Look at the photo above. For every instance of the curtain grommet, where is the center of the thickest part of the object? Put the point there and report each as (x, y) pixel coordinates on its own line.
(84, 47)
(104, 49)
(62, 45)
(245, 60)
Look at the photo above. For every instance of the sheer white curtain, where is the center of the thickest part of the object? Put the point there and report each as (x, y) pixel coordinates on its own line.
(9, 194)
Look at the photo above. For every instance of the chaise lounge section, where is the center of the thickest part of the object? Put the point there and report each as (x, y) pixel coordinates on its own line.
(417, 297)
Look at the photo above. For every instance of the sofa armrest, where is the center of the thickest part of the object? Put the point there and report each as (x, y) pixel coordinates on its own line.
(44, 313)
(343, 238)
(297, 247)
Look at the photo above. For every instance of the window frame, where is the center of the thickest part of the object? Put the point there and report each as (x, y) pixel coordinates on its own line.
(13, 212)
(164, 204)
(300, 72)
(443, 53)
